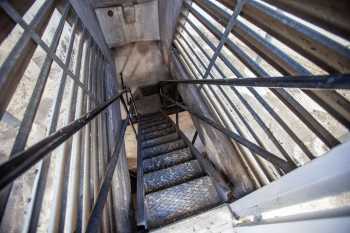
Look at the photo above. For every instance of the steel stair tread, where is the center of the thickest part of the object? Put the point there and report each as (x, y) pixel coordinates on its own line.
(151, 119)
(153, 123)
(163, 148)
(159, 133)
(159, 140)
(181, 201)
(167, 160)
(156, 127)
(172, 176)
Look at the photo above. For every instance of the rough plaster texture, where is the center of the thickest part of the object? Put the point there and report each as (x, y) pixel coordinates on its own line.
(122, 25)
(141, 64)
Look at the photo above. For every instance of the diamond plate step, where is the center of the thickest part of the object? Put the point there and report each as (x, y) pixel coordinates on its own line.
(167, 160)
(156, 134)
(163, 148)
(171, 176)
(169, 205)
(160, 140)
(156, 127)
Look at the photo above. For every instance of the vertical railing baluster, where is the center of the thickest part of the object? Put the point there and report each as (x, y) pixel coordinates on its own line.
(58, 211)
(76, 151)
(86, 174)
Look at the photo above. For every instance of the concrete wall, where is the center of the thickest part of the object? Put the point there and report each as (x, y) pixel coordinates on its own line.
(168, 12)
(141, 64)
(219, 148)
(125, 24)
(87, 15)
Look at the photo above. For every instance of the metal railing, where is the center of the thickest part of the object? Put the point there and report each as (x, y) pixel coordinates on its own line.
(284, 82)
(23, 161)
(282, 52)
(76, 78)
(82, 200)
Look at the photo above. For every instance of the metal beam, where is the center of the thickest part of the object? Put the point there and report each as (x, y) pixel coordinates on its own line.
(258, 97)
(24, 160)
(15, 64)
(230, 24)
(284, 96)
(330, 15)
(37, 39)
(95, 217)
(341, 81)
(278, 162)
(321, 50)
(267, 172)
(331, 101)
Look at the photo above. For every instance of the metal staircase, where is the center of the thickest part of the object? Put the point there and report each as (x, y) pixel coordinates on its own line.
(175, 183)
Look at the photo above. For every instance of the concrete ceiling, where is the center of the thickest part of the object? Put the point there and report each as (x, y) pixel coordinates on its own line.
(129, 22)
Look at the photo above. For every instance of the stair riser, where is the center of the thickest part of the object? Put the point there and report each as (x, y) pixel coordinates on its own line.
(152, 124)
(157, 134)
(150, 120)
(159, 141)
(163, 148)
(156, 128)
(168, 160)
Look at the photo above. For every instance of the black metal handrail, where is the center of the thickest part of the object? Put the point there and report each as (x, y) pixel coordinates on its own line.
(23, 161)
(286, 166)
(336, 81)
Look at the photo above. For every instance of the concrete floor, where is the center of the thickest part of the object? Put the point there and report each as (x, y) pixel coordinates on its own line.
(215, 220)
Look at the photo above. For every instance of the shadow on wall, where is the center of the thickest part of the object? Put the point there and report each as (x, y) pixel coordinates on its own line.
(141, 64)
